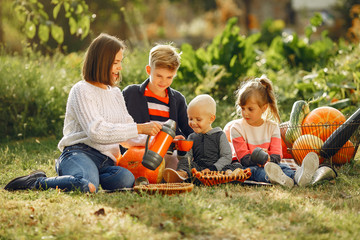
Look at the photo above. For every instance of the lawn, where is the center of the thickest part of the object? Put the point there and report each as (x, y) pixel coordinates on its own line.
(330, 210)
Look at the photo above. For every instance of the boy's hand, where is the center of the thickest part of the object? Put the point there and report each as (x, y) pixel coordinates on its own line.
(149, 128)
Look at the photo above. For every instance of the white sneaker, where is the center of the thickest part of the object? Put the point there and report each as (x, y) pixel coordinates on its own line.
(307, 170)
(276, 175)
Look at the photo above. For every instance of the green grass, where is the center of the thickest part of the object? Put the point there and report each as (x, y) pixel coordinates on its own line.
(330, 210)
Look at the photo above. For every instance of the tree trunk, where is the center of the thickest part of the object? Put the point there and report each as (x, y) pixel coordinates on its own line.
(1, 26)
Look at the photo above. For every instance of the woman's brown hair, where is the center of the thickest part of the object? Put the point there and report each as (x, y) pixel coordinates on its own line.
(99, 58)
(263, 89)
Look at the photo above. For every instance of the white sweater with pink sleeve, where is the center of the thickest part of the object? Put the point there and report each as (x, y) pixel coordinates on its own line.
(246, 138)
(98, 118)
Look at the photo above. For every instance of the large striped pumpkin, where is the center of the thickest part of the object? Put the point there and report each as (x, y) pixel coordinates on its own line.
(322, 121)
(305, 144)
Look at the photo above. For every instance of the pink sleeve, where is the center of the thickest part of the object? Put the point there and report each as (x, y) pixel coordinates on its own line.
(241, 148)
(275, 146)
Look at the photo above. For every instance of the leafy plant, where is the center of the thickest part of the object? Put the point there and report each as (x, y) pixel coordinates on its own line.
(40, 19)
(217, 68)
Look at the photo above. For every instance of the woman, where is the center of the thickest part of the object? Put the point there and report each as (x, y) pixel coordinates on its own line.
(96, 121)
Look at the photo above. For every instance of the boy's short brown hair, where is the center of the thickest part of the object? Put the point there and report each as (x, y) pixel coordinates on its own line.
(99, 58)
(164, 56)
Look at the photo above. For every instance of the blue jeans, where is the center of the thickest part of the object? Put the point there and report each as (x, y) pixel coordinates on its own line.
(258, 173)
(79, 165)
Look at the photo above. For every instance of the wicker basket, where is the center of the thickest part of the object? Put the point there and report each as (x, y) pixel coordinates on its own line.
(165, 188)
(299, 145)
(218, 177)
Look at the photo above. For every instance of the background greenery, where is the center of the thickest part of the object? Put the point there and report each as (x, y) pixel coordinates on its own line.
(34, 84)
(34, 87)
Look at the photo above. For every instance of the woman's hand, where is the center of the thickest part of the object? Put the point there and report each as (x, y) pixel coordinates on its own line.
(149, 128)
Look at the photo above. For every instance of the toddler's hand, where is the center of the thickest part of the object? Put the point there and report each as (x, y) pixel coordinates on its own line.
(179, 137)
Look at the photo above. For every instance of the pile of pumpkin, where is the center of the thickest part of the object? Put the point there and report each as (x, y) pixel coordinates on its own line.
(307, 131)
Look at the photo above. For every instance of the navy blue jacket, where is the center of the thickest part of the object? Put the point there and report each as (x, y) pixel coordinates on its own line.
(137, 107)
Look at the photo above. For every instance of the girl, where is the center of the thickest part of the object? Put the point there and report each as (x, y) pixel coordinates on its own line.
(96, 121)
(256, 137)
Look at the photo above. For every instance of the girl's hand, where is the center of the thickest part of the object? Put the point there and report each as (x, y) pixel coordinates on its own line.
(149, 128)
(264, 163)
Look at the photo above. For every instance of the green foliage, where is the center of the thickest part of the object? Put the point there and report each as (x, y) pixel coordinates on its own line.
(38, 20)
(271, 29)
(217, 68)
(33, 93)
(34, 88)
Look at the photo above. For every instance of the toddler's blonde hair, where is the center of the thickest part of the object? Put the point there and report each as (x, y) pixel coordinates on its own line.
(204, 101)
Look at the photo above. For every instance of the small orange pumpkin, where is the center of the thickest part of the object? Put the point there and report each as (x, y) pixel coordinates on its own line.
(345, 154)
(305, 144)
(285, 152)
(322, 122)
(132, 159)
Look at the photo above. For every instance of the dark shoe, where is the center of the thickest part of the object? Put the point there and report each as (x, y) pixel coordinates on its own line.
(324, 172)
(24, 182)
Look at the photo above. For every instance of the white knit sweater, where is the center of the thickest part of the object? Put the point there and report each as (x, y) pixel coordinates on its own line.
(98, 118)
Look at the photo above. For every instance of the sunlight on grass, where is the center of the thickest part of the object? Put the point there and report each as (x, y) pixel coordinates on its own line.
(330, 210)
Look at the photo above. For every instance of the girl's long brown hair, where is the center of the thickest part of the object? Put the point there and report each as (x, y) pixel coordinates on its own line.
(263, 89)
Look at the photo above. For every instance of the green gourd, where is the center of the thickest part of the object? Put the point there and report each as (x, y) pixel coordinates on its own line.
(298, 112)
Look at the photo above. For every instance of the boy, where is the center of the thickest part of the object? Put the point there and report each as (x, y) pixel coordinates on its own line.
(211, 150)
(155, 100)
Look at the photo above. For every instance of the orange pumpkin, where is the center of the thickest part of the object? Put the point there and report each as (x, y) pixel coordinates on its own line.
(285, 152)
(132, 159)
(322, 122)
(305, 144)
(345, 154)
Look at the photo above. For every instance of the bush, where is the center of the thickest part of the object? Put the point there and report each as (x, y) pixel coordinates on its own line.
(33, 93)
(34, 88)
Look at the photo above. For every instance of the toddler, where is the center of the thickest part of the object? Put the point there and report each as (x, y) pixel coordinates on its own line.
(211, 150)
